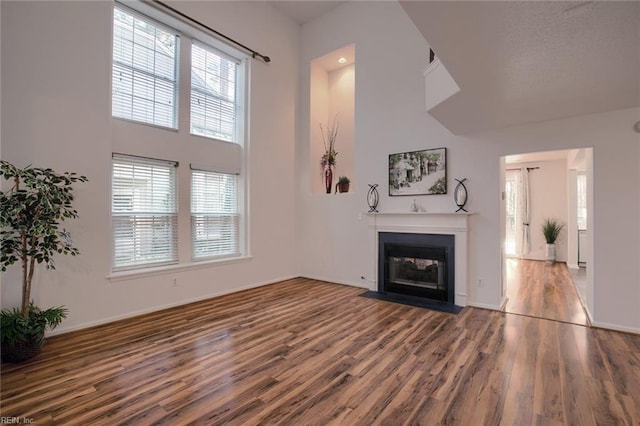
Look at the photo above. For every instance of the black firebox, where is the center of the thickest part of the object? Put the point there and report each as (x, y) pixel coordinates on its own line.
(417, 265)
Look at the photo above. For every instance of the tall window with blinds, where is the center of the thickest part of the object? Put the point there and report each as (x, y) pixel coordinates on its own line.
(213, 94)
(144, 76)
(144, 212)
(215, 219)
(154, 53)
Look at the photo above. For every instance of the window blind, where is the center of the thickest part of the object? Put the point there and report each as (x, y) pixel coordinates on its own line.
(214, 214)
(144, 77)
(144, 212)
(213, 94)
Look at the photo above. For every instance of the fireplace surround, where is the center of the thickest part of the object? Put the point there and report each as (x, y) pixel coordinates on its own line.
(435, 223)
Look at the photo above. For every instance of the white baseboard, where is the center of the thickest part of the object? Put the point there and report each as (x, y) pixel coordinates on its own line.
(460, 299)
(583, 303)
(484, 306)
(503, 304)
(62, 330)
(598, 324)
(365, 284)
(586, 310)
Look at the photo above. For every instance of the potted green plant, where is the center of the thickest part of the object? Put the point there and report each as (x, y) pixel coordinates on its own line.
(31, 210)
(343, 184)
(551, 230)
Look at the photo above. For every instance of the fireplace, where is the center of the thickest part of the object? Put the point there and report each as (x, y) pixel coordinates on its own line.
(428, 230)
(417, 265)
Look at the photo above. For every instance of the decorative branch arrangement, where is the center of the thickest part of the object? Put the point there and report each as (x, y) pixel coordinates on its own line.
(329, 140)
(328, 160)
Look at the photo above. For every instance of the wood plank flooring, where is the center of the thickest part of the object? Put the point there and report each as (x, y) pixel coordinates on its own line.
(543, 290)
(304, 352)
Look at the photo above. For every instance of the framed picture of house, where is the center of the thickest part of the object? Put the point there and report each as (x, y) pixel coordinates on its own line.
(418, 172)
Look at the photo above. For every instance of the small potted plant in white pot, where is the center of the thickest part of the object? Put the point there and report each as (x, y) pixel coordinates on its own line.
(551, 230)
(31, 210)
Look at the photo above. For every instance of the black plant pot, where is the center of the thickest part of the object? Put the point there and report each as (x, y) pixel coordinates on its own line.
(22, 350)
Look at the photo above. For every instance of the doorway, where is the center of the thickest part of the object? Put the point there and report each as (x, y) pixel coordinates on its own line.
(536, 187)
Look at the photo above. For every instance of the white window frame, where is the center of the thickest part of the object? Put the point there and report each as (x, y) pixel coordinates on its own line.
(141, 78)
(203, 99)
(148, 211)
(212, 216)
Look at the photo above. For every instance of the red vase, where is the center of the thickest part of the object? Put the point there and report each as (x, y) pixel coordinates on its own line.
(328, 179)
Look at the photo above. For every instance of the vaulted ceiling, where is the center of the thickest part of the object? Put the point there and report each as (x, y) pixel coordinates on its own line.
(305, 10)
(523, 61)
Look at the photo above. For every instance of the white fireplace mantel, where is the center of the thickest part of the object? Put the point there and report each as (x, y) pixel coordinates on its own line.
(421, 222)
(455, 224)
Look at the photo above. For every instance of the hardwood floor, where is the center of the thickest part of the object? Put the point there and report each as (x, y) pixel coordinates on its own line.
(308, 352)
(543, 290)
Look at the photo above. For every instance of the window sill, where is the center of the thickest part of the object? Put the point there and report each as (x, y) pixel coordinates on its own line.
(131, 121)
(163, 270)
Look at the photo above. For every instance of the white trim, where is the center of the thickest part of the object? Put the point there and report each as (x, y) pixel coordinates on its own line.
(503, 305)
(614, 327)
(143, 123)
(334, 281)
(382, 214)
(586, 310)
(181, 267)
(484, 306)
(419, 229)
(167, 306)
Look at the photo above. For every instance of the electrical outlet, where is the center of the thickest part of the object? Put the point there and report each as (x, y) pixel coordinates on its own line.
(480, 283)
(174, 283)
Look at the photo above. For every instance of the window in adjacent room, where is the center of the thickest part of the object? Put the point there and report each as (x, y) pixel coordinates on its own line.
(144, 212)
(144, 74)
(582, 201)
(215, 220)
(513, 219)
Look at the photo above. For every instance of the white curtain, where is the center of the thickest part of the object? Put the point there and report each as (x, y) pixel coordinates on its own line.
(525, 212)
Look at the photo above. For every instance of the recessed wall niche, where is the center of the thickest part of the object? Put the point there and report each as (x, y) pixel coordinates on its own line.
(332, 103)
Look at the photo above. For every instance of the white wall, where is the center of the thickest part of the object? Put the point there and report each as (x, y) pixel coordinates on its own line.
(341, 107)
(56, 112)
(56, 59)
(319, 114)
(335, 244)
